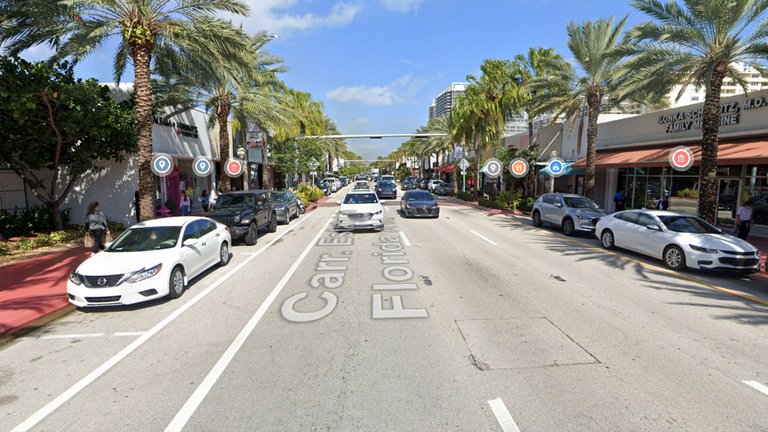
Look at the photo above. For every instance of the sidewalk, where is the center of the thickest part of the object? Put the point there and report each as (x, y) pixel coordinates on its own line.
(36, 288)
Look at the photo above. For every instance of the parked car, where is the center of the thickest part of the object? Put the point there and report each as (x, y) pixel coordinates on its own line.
(443, 189)
(570, 212)
(410, 183)
(333, 183)
(680, 240)
(286, 206)
(360, 210)
(419, 203)
(246, 213)
(432, 183)
(344, 180)
(386, 188)
(362, 184)
(325, 188)
(424, 184)
(150, 260)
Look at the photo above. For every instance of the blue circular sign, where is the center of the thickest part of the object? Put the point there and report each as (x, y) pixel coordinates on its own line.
(556, 167)
(162, 164)
(202, 166)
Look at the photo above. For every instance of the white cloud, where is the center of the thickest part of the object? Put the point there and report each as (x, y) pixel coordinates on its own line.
(37, 53)
(403, 6)
(272, 16)
(397, 92)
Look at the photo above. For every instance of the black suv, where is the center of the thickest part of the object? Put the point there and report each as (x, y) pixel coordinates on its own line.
(246, 213)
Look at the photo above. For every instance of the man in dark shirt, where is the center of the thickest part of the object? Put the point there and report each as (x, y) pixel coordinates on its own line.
(620, 200)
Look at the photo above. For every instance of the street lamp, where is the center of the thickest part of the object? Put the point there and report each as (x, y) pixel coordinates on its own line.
(243, 155)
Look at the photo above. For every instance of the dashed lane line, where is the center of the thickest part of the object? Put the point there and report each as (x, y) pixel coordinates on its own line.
(503, 416)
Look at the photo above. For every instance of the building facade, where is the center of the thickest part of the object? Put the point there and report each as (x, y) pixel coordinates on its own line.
(445, 100)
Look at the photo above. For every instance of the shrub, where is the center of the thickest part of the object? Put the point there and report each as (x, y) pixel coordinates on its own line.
(527, 204)
(466, 196)
(308, 193)
(115, 226)
(688, 193)
(42, 240)
(26, 245)
(67, 236)
(4, 249)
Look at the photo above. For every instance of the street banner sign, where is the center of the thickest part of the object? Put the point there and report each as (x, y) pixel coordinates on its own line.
(556, 167)
(493, 167)
(518, 167)
(464, 164)
(202, 166)
(458, 151)
(162, 164)
(234, 167)
(681, 158)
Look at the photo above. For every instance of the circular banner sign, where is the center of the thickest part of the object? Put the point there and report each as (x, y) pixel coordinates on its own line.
(234, 167)
(162, 164)
(202, 166)
(556, 167)
(518, 167)
(493, 168)
(681, 158)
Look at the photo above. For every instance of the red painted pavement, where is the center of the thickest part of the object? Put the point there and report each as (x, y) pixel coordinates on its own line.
(34, 288)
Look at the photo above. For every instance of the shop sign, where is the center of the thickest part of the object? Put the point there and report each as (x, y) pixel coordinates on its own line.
(730, 114)
(182, 129)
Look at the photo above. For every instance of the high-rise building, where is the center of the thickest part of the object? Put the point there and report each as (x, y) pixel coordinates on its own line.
(516, 125)
(444, 101)
(694, 94)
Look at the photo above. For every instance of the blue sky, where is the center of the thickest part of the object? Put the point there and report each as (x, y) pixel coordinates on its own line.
(377, 64)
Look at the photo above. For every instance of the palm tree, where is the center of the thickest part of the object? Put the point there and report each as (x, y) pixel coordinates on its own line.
(598, 49)
(698, 43)
(539, 62)
(147, 30)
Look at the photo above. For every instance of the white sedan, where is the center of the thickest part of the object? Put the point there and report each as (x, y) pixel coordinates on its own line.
(150, 260)
(360, 209)
(680, 240)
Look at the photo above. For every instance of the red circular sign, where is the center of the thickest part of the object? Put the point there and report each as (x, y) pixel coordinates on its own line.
(234, 168)
(681, 158)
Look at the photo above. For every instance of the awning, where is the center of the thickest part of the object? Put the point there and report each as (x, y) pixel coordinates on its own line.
(728, 153)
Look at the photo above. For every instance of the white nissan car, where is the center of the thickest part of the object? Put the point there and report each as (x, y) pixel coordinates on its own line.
(150, 260)
(360, 209)
(680, 240)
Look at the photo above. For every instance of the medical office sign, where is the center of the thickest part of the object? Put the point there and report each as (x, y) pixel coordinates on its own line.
(730, 114)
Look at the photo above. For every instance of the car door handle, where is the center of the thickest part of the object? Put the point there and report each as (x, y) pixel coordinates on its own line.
(218, 234)
(204, 243)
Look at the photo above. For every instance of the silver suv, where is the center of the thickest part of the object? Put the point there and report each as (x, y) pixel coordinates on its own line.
(570, 212)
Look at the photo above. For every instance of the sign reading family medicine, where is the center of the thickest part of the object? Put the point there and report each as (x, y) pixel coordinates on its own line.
(729, 115)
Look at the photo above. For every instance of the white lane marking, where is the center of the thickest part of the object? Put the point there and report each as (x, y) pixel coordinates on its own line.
(757, 386)
(106, 366)
(194, 401)
(484, 238)
(405, 239)
(503, 416)
(83, 335)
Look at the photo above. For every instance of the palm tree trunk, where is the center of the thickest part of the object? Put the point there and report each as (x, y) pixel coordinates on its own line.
(478, 158)
(141, 55)
(265, 168)
(593, 102)
(710, 125)
(222, 115)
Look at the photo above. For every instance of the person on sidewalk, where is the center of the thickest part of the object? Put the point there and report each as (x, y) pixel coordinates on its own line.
(663, 204)
(185, 204)
(744, 219)
(205, 201)
(620, 200)
(96, 224)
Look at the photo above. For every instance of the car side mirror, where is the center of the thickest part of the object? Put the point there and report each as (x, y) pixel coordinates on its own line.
(338, 202)
(653, 227)
(190, 242)
(558, 205)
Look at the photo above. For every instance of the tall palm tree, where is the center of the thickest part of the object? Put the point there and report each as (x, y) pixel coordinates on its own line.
(147, 30)
(538, 63)
(598, 48)
(698, 43)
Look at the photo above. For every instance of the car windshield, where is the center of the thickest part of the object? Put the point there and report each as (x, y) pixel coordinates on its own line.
(360, 198)
(387, 184)
(580, 202)
(688, 224)
(418, 196)
(146, 239)
(280, 196)
(236, 200)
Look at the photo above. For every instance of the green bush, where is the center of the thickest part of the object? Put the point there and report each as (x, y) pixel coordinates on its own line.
(466, 196)
(67, 236)
(26, 221)
(26, 245)
(4, 249)
(688, 193)
(527, 204)
(308, 193)
(43, 240)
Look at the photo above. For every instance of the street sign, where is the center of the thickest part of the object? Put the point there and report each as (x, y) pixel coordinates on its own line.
(234, 167)
(464, 164)
(556, 167)
(493, 168)
(458, 151)
(518, 167)
(162, 164)
(202, 166)
(681, 158)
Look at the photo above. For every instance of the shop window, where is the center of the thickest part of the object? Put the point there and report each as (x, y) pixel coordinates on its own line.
(757, 171)
(729, 171)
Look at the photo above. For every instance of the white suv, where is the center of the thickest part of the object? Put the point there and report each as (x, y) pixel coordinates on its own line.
(360, 209)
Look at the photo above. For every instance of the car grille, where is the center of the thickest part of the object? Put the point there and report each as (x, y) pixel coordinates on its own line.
(741, 262)
(101, 281)
(739, 253)
(423, 210)
(109, 299)
(359, 216)
(226, 220)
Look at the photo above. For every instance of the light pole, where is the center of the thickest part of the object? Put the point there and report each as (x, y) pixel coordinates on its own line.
(243, 155)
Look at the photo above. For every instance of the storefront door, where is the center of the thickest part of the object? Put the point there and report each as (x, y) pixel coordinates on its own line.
(727, 199)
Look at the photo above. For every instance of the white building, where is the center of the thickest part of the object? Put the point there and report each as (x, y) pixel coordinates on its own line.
(694, 94)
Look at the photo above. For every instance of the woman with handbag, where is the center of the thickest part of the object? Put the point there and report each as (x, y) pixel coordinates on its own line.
(96, 224)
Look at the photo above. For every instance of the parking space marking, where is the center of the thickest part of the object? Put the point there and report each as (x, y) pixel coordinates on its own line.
(83, 335)
(484, 238)
(757, 386)
(405, 239)
(60, 400)
(503, 416)
(191, 405)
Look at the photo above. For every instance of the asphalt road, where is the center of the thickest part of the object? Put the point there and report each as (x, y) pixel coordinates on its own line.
(470, 322)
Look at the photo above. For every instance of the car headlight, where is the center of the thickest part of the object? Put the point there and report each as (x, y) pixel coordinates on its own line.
(237, 218)
(75, 279)
(703, 249)
(144, 274)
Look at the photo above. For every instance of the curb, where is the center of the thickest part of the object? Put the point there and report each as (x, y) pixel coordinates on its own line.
(31, 326)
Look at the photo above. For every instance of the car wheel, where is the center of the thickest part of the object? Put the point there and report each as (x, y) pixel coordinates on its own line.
(536, 219)
(253, 235)
(224, 254)
(568, 227)
(273, 223)
(674, 257)
(607, 240)
(176, 283)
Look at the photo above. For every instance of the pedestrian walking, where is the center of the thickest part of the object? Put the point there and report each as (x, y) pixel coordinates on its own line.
(744, 219)
(620, 200)
(96, 225)
(205, 201)
(663, 204)
(185, 205)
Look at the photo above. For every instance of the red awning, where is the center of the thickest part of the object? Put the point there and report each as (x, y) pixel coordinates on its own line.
(448, 169)
(728, 153)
